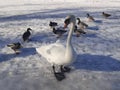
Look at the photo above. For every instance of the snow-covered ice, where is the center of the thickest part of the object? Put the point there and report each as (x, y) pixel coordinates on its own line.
(98, 64)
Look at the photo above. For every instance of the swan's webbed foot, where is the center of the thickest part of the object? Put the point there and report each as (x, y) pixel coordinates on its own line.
(59, 75)
(65, 69)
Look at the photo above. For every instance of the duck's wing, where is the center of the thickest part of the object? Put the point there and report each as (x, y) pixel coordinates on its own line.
(11, 45)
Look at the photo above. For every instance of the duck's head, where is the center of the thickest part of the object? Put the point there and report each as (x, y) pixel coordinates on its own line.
(68, 20)
(79, 21)
(88, 14)
(18, 44)
(29, 29)
(78, 18)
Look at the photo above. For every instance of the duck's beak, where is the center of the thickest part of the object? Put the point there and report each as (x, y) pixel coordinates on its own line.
(31, 30)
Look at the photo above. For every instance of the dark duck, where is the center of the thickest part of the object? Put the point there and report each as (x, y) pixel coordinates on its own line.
(15, 47)
(27, 34)
(52, 24)
(59, 32)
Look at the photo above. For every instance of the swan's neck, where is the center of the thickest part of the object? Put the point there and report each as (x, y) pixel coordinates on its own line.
(70, 34)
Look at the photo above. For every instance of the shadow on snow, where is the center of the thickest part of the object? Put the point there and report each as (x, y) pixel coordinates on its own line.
(97, 63)
(24, 53)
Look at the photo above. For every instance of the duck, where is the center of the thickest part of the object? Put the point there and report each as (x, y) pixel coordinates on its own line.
(53, 24)
(81, 24)
(79, 31)
(59, 32)
(59, 54)
(26, 35)
(106, 15)
(15, 47)
(90, 18)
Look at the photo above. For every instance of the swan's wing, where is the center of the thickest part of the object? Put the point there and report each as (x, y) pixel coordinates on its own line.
(54, 53)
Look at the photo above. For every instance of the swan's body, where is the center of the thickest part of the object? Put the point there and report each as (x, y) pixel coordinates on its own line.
(54, 53)
(57, 53)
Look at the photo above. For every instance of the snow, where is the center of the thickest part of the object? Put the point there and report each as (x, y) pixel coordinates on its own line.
(98, 63)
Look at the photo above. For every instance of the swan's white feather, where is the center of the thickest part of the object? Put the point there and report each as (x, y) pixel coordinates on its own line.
(54, 53)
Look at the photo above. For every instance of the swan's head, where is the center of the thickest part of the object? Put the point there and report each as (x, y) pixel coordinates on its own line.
(68, 20)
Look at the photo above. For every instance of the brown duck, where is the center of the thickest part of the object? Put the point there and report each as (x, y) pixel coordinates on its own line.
(81, 24)
(15, 47)
(90, 18)
(105, 15)
(79, 31)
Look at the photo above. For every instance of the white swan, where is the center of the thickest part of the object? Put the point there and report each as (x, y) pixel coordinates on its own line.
(59, 54)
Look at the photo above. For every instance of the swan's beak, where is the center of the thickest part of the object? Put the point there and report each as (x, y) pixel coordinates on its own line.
(65, 25)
